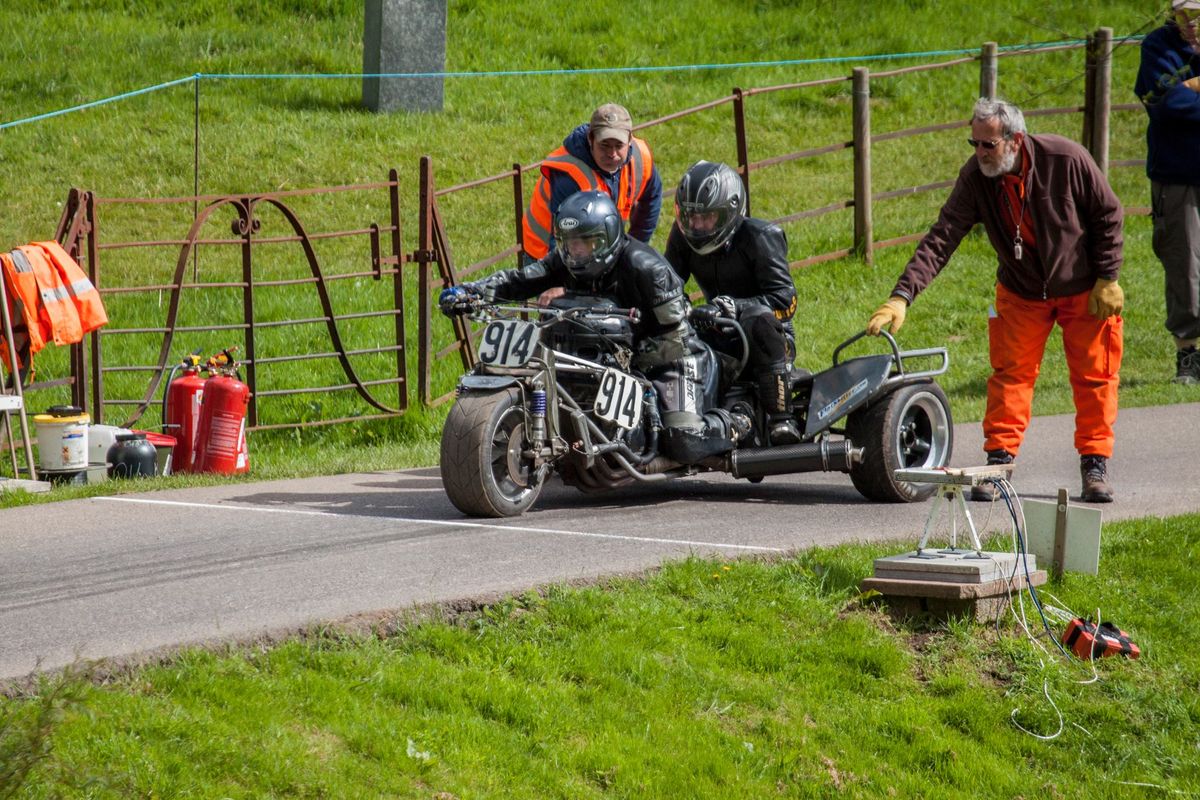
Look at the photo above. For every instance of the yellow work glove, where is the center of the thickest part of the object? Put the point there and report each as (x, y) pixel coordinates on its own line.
(1106, 300)
(889, 315)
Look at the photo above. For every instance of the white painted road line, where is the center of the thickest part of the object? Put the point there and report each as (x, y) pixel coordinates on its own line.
(447, 523)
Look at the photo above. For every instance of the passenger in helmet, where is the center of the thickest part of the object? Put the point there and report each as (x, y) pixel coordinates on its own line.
(592, 255)
(740, 264)
(710, 204)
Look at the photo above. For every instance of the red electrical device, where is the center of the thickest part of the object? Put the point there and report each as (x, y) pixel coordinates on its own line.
(181, 413)
(221, 432)
(1090, 641)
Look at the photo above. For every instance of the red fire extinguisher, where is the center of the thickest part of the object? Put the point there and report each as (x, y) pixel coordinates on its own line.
(181, 411)
(221, 431)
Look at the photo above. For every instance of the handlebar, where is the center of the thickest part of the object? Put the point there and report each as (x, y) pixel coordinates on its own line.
(601, 312)
(899, 356)
(890, 339)
(555, 314)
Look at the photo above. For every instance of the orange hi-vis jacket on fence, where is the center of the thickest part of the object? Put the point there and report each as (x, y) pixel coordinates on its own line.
(51, 300)
(538, 220)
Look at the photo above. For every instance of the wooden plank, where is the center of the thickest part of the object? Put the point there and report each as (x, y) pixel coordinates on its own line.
(1060, 535)
(863, 228)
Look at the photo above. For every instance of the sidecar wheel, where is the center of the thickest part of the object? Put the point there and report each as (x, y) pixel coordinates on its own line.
(911, 428)
(483, 471)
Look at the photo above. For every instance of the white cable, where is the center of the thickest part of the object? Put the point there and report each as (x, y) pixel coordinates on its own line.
(1017, 710)
(1092, 654)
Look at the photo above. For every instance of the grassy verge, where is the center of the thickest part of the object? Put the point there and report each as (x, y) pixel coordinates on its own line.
(706, 679)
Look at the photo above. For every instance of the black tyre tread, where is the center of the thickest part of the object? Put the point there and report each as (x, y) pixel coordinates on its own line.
(463, 465)
(866, 428)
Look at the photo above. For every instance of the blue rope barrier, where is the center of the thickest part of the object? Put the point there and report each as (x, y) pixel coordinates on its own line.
(199, 76)
(101, 102)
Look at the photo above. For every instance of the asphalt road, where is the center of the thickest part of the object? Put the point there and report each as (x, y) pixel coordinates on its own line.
(114, 577)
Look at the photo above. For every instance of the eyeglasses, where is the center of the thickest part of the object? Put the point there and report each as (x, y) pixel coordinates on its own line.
(986, 144)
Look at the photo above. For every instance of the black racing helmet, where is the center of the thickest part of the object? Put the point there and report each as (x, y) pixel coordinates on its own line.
(588, 234)
(710, 204)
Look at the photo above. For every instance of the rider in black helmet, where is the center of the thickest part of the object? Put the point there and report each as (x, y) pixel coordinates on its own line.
(592, 255)
(588, 235)
(741, 265)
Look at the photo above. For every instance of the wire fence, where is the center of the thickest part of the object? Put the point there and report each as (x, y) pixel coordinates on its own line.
(104, 368)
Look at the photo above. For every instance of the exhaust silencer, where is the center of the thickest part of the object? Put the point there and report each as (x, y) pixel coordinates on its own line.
(820, 456)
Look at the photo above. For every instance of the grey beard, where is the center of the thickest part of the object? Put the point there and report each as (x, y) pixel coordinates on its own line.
(1007, 163)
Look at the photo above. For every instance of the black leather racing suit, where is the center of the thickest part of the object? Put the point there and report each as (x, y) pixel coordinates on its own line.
(682, 368)
(752, 268)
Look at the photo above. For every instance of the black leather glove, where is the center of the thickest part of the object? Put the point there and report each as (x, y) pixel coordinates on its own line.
(726, 305)
(704, 317)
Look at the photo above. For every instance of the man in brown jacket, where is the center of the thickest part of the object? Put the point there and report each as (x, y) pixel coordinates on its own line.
(1056, 227)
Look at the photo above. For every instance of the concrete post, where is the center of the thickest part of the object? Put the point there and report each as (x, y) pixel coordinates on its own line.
(404, 36)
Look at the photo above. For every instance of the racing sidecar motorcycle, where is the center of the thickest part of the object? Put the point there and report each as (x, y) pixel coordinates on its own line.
(554, 392)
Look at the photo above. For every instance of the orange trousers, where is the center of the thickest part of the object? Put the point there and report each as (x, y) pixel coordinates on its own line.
(1017, 337)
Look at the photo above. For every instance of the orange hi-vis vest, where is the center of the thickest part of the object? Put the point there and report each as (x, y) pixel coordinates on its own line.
(537, 223)
(50, 297)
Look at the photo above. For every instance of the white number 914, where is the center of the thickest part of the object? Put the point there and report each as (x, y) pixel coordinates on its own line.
(508, 343)
(619, 399)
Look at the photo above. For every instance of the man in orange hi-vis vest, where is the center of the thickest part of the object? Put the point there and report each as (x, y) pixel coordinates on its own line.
(603, 155)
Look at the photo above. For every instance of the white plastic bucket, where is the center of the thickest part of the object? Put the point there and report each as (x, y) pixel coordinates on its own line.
(62, 441)
(100, 438)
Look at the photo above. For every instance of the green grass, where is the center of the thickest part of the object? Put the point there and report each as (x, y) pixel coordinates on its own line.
(281, 134)
(706, 679)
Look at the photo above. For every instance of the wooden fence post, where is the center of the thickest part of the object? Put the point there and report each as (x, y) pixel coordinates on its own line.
(1103, 98)
(739, 129)
(988, 70)
(519, 210)
(1089, 91)
(398, 287)
(862, 164)
(424, 249)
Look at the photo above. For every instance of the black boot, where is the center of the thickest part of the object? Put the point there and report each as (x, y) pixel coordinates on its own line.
(775, 394)
(1187, 366)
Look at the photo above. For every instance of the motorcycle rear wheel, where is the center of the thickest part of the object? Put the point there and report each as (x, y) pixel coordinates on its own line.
(483, 471)
(910, 428)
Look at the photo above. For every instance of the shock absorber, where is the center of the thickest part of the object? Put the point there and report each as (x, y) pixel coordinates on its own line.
(537, 415)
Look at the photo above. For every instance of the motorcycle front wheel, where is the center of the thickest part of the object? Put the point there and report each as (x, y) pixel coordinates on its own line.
(483, 469)
(910, 428)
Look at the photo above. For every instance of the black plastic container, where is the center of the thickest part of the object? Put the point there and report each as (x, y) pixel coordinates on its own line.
(131, 457)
